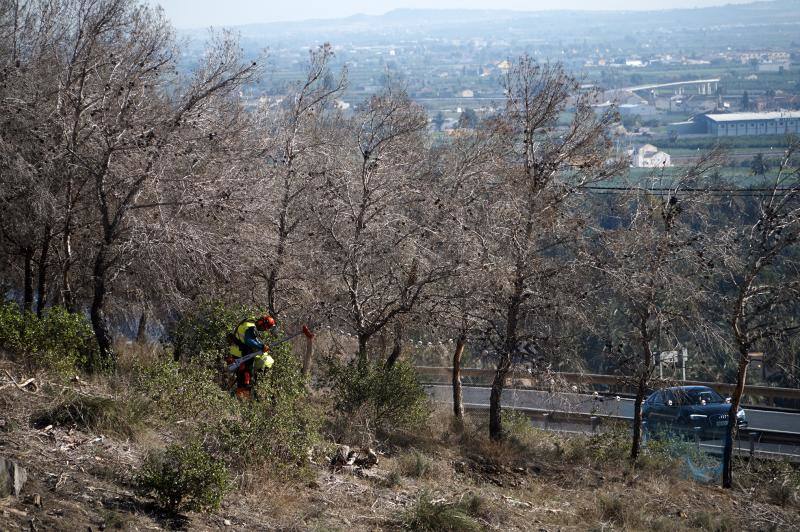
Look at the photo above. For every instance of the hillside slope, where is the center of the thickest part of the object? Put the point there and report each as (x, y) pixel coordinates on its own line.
(440, 478)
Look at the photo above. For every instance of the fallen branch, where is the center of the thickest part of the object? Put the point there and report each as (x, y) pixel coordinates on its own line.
(12, 511)
(23, 385)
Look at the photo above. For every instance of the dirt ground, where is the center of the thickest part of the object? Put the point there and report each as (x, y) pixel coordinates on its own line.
(83, 481)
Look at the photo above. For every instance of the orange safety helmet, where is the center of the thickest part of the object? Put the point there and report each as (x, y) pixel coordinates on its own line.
(265, 322)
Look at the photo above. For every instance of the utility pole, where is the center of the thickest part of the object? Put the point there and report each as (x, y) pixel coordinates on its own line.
(683, 364)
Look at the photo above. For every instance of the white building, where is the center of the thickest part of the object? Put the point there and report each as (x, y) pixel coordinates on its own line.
(648, 156)
(744, 124)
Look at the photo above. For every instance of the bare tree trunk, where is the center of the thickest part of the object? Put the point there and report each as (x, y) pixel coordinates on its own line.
(641, 389)
(363, 356)
(504, 364)
(458, 394)
(27, 296)
(727, 454)
(495, 408)
(97, 313)
(66, 243)
(41, 286)
(272, 281)
(141, 331)
(397, 348)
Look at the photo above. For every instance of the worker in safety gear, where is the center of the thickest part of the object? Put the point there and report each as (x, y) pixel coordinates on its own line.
(243, 341)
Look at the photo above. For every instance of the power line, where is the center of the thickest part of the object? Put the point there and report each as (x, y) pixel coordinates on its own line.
(715, 192)
(666, 189)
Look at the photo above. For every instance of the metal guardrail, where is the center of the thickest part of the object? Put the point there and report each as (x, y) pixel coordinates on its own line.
(551, 419)
(776, 436)
(613, 380)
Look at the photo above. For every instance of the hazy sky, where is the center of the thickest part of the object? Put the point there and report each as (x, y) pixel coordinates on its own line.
(200, 13)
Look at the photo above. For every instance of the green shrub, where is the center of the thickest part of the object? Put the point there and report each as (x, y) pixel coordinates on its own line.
(60, 341)
(280, 427)
(12, 329)
(100, 414)
(66, 340)
(430, 515)
(184, 477)
(259, 432)
(414, 465)
(666, 448)
(608, 446)
(182, 392)
(200, 334)
(611, 508)
(283, 382)
(381, 399)
(517, 425)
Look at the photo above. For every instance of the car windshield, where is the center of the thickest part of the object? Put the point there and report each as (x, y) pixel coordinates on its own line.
(698, 397)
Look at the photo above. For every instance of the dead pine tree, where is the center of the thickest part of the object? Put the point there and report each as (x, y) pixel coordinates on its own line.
(30, 152)
(376, 262)
(455, 305)
(649, 272)
(758, 266)
(294, 159)
(145, 134)
(541, 166)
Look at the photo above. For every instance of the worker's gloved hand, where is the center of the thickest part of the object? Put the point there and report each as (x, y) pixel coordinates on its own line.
(262, 362)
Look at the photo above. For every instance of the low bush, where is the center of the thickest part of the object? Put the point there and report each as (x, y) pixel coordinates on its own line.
(774, 481)
(519, 429)
(615, 508)
(611, 508)
(432, 515)
(506, 452)
(198, 386)
(414, 465)
(280, 427)
(392, 480)
(713, 522)
(517, 424)
(65, 340)
(97, 414)
(784, 492)
(181, 392)
(608, 446)
(281, 434)
(59, 342)
(12, 328)
(371, 399)
(184, 477)
(665, 451)
(200, 335)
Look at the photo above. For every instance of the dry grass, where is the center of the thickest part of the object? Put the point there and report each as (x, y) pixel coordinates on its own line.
(122, 417)
(443, 477)
(130, 357)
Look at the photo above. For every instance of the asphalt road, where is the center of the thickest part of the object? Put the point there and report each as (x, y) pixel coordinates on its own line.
(623, 408)
(587, 404)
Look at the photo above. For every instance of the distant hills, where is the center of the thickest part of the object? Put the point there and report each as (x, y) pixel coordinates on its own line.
(456, 23)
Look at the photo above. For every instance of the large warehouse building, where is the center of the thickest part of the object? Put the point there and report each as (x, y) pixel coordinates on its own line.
(741, 124)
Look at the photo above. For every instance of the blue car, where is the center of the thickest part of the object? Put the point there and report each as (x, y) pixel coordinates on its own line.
(689, 408)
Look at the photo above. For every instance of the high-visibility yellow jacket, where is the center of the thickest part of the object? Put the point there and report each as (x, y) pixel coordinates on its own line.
(247, 342)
